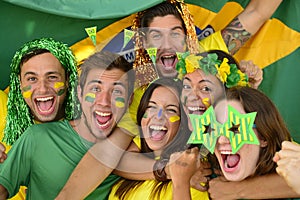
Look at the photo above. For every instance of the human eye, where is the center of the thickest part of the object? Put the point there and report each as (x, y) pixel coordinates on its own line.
(186, 86)
(117, 92)
(155, 36)
(206, 89)
(235, 129)
(172, 110)
(53, 78)
(95, 88)
(31, 79)
(175, 34)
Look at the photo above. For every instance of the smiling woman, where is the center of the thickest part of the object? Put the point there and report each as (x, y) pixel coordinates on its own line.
(163, 131)
(269, 128)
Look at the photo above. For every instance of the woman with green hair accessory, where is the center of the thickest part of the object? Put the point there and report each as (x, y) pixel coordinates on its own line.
(26, 105)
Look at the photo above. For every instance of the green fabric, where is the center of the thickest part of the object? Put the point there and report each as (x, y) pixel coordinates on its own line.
(82, 9)
(281, 82)
(43, 158)
(24, 20)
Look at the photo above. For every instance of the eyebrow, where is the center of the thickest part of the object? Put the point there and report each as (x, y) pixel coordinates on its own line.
(169, 105)
(159, 29)
(202, 81)
(100, 82)
(48, 73)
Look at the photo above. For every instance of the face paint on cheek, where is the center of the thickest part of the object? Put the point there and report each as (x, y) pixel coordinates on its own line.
(174, 118)
(59, 85)
(145, 115)
(206, 102)
(26, 91)
(90, 97)
(61, 92)
(120, 102)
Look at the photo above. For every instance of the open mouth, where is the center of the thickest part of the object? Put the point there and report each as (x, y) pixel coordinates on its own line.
(197, 110)
(157, 132)
(103, 119)
(45, 105)
(169, 61)
(230, 161)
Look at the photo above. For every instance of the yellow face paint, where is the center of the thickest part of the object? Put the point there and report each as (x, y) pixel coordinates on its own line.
(27, 94)
(120, 102)
(59, 84)
(205, 101)
(26, 91)
(90, 97)
(174, 118)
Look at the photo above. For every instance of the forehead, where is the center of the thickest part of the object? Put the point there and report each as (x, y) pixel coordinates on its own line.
(199, 76)
(164, 95)
(107, 76)
(166, 22)
(221, 109)
(45, 62)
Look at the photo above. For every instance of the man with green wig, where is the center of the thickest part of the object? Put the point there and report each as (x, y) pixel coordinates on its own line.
(42, 88)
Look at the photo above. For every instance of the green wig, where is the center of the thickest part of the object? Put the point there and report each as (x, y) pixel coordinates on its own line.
(19, 116)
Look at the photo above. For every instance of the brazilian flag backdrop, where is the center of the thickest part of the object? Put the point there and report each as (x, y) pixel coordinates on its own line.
(275, 48)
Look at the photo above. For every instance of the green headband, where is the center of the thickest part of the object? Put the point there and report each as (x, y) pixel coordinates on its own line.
(18, 113)
(228, 74)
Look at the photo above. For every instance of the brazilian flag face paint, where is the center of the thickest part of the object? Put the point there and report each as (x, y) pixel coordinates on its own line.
(90, 97)
(174, 118)
(60, 85)
(238, 129)
(120, 102)
(27, 91)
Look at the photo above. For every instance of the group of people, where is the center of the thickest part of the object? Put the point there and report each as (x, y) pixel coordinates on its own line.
(122, 131)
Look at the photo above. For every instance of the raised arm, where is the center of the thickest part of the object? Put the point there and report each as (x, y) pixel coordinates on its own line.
(182, 167)
(248, 23)
(288, 161)
(261, 187)
(96, 165)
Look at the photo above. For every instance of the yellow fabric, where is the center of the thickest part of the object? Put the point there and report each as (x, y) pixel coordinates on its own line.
(262, 48)
(3, 112)
(144, 192)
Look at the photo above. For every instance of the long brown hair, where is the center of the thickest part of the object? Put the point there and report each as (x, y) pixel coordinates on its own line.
(177, 144)
(269, 124)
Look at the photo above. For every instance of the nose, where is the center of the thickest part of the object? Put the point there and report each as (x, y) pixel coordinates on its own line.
(104, 98)
(223, 140)
(43, 86)
(166, 43)
(159, 114)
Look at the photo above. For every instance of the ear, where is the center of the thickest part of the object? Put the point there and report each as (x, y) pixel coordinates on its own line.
(79, 93)
(263, 143)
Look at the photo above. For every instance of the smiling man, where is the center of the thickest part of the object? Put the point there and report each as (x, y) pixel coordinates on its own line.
(49, 152)
(42, 84)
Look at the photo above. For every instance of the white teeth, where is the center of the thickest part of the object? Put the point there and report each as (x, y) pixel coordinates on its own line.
(196, 108)
(102, 114)
(44, 98)
(226, 152)
(166, 57)
(158, 128)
